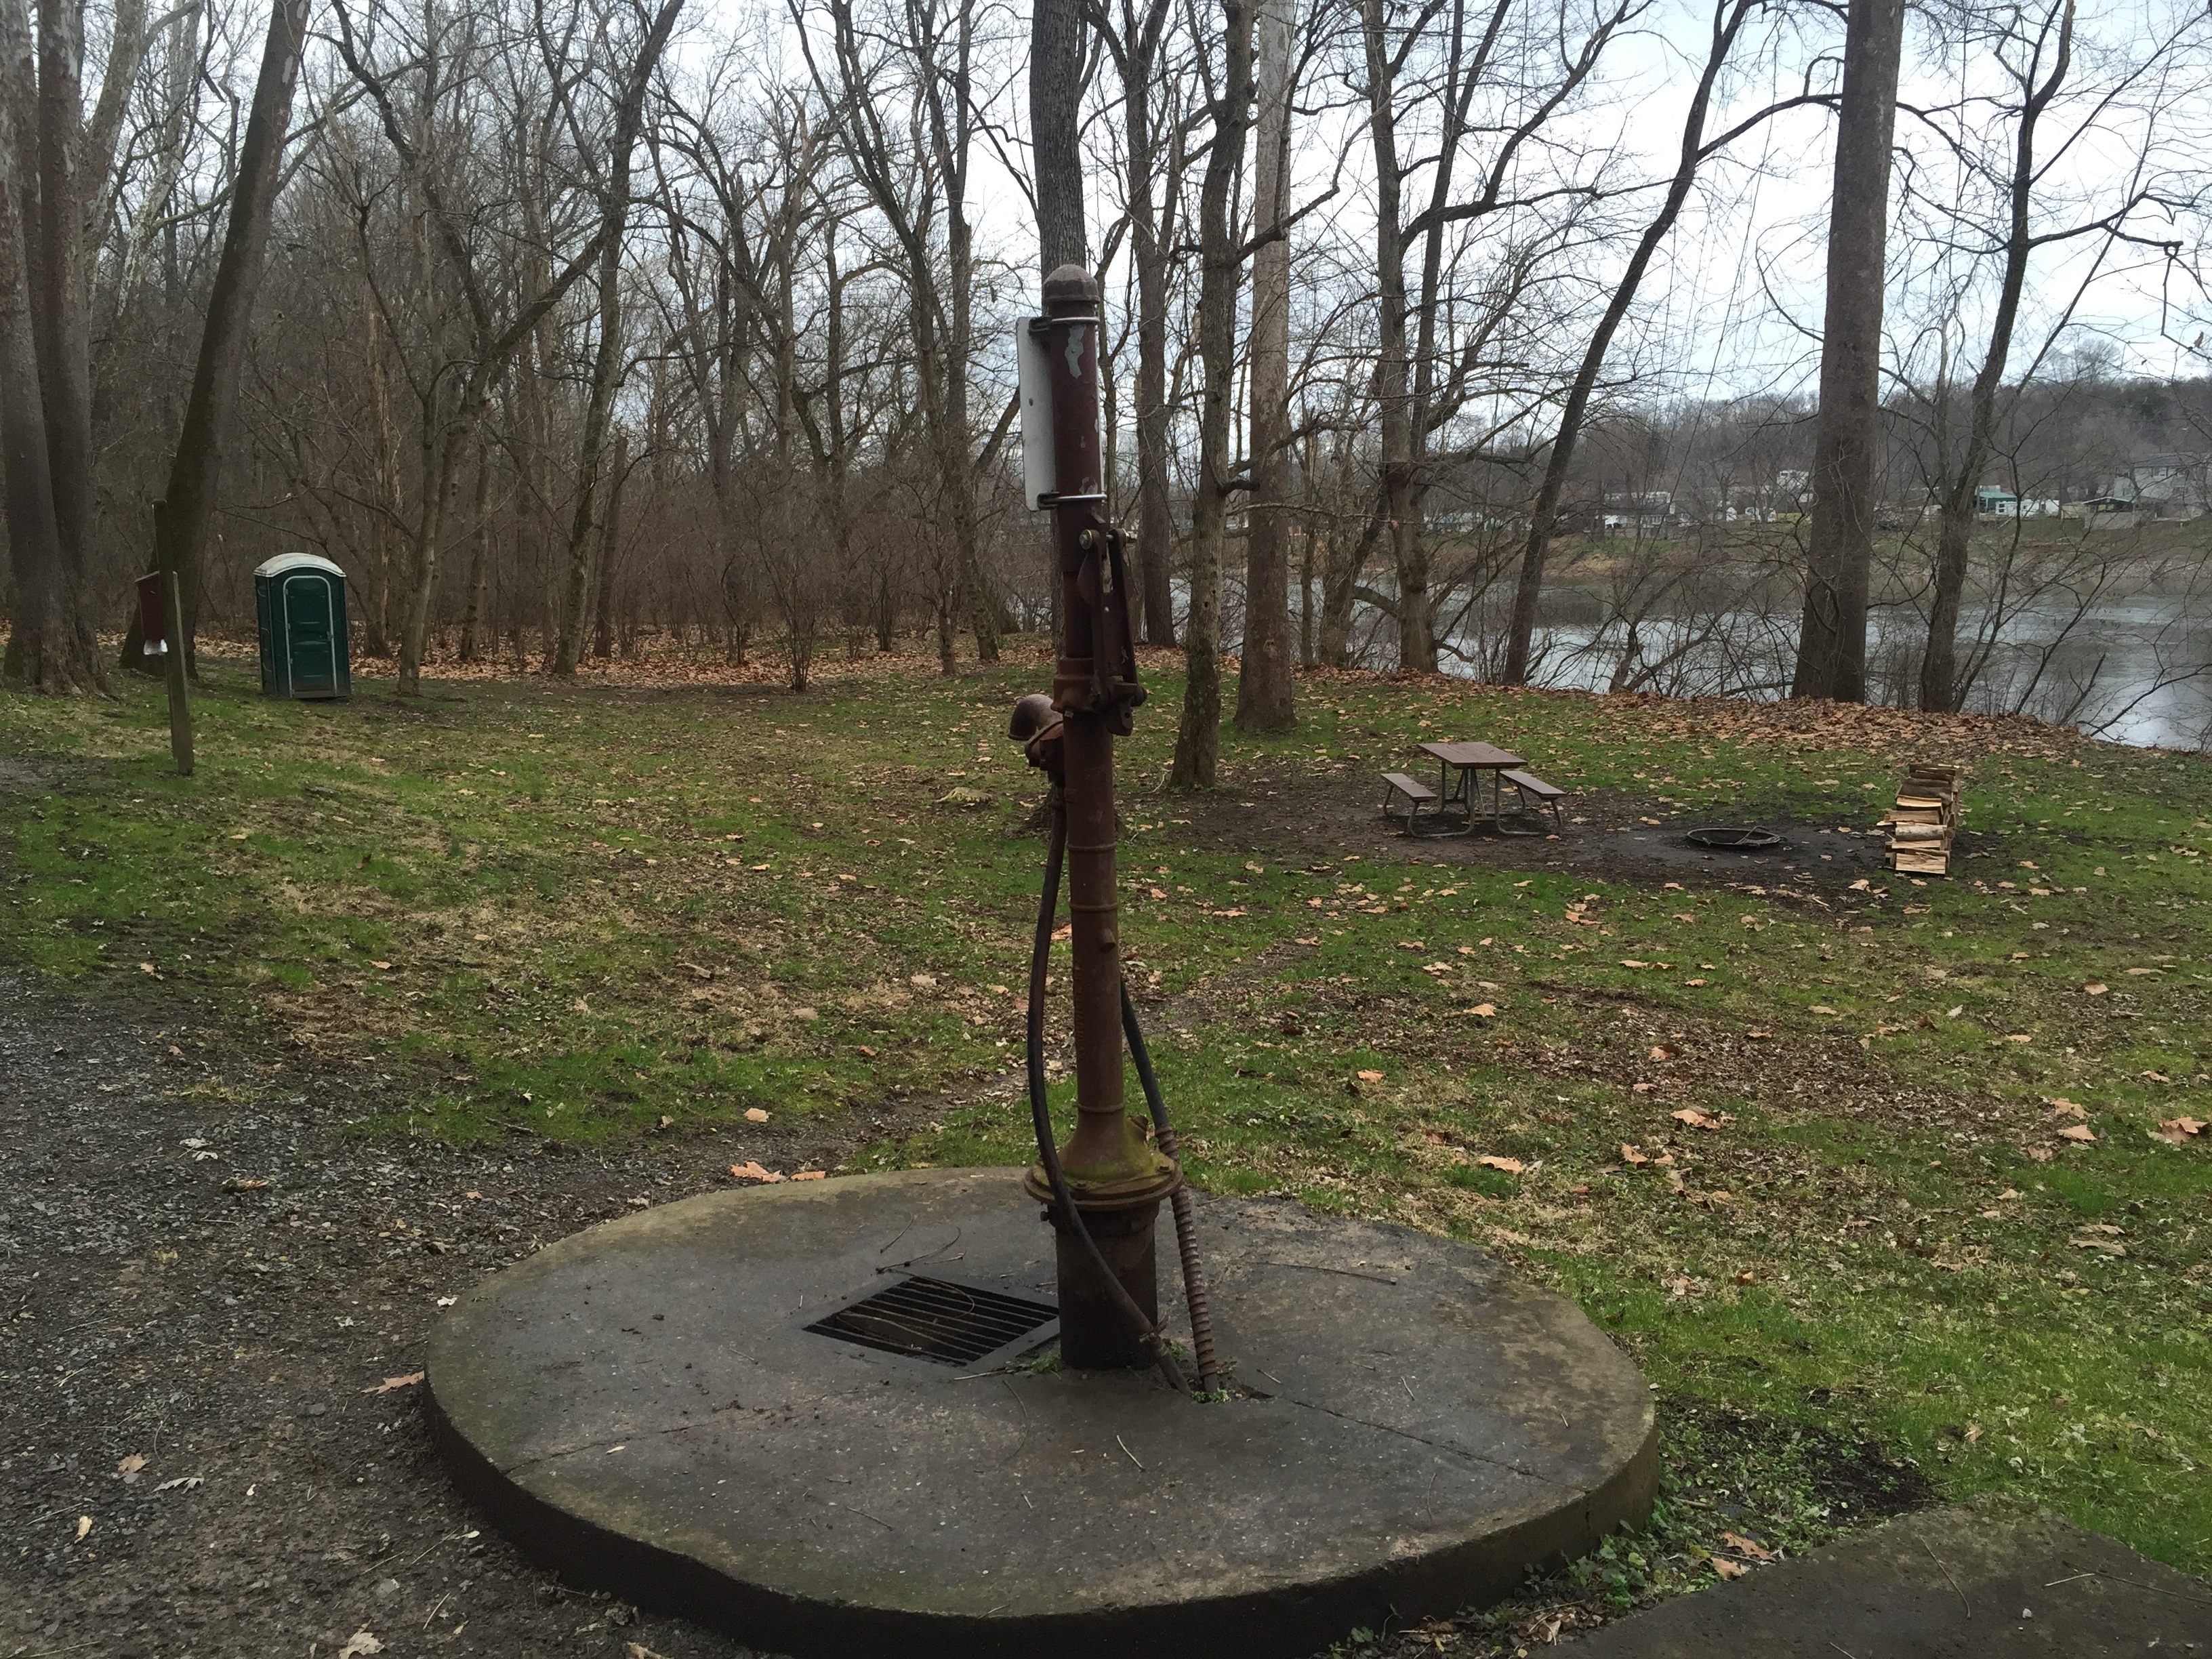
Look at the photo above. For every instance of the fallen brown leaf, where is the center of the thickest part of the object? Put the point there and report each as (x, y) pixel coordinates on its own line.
(1726, 1568)
(1510, 1165)
(2178, 1129)
(131, 1464)
(391, 1382)
(751, 1170)
(755, 1115)
(1632, 1154)
(1698, 1118)
(1742, 1545)
(2080, 1131)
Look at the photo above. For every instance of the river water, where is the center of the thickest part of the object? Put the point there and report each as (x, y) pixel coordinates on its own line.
(2134, 670)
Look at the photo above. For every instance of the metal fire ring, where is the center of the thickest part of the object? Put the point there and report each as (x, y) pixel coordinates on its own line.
(1733, 838)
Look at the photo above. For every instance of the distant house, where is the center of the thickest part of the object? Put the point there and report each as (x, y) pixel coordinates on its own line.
(1650, 515)
(2175, 486)
(1993, 502)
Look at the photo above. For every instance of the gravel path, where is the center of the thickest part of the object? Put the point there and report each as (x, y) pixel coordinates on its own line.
(206, 1278)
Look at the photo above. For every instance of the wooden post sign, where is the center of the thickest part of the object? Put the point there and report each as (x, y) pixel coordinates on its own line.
(153, 615)
(161, 620)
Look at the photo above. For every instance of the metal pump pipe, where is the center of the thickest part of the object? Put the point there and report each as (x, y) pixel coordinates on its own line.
(1115, 1178)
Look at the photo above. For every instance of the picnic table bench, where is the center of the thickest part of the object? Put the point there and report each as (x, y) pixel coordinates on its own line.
(1417, 795)
(1546, 796)
(1459, 768)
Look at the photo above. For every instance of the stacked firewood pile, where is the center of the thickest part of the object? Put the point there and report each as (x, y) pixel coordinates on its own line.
(1924, 821)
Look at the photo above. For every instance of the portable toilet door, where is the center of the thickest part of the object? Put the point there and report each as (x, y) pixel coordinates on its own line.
(299, 598)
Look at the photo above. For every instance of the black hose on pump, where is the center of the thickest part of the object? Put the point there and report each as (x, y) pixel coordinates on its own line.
(1147, 1334)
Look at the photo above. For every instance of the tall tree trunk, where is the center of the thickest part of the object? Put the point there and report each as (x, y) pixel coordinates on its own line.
(607, 363)
(1055, 138)
(127, 50)
(60, 316)
(1148, 258)
(1055, 132)
(1197, 737)
(603, 639)
(479, 547)
(1394, 367)
(1729, 17)
(1940, 689)
(1263, 682)
(181, 70)
(196, 470)
(1847, 444)
(441, 446)
(45, 647)
(61, 325)
(376, 615)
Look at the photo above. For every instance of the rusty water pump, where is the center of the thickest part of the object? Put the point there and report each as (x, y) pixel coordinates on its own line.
(1103, 1190)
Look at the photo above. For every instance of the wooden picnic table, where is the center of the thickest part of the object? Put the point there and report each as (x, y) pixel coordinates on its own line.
(1469, 759)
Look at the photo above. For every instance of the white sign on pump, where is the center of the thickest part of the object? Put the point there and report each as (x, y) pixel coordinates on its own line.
(1036, 389)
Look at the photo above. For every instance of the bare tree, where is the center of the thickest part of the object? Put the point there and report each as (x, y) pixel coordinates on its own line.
(1056, 76)
(918, 180)
(1729, 18)
(196, 470)
(1221, 269)
(53, 172)
(1263, 681)
(607, 359)
(1832, 638)
(453, 399)
(1155, 160)
(2033, 49)
(49, 644)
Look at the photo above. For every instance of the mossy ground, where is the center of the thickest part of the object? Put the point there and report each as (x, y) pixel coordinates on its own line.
(583, 911)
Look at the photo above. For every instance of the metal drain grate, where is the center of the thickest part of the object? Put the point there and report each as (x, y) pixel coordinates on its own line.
(940, 1319)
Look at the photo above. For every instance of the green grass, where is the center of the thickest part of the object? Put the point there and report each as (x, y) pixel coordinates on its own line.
(583, 911)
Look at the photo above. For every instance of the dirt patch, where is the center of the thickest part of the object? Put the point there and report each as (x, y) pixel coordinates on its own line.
(22, 776)
(1636, 841)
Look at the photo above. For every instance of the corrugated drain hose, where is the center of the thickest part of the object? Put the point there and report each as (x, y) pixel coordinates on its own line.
(1146, 1332)
(1193, 1277)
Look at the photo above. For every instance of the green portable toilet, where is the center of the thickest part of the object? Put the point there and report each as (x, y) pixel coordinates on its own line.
(301, 600)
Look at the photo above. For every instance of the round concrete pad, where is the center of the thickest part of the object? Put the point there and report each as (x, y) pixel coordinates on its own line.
(643, 1407)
